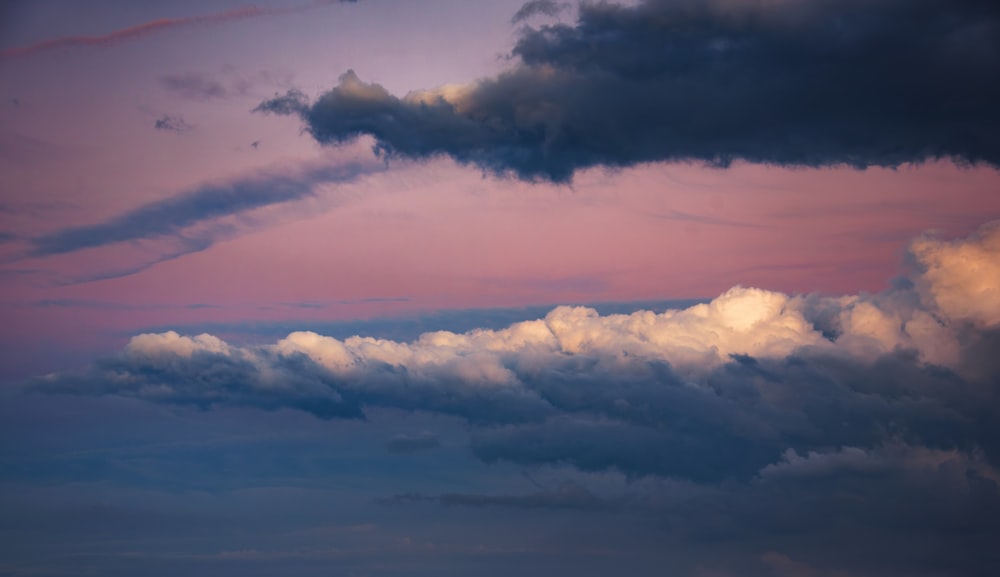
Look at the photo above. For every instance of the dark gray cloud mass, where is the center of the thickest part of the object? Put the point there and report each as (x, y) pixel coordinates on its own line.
(812, 83)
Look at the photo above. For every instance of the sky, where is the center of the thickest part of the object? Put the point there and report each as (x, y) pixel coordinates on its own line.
(696, 288)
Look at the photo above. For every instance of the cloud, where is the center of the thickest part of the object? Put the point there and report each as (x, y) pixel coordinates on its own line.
(141, 30)
(753, 384)
(198, 87)
(172, 124)
(961, 278)
(172, 216)
(226, 84)
(742, 421)
(115, 306)
(815, 83)
(405, 444)
(539, 8)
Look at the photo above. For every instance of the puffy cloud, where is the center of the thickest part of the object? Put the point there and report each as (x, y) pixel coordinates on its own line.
(961, 278)
(753, 384)
(843, 421)
(811, 83)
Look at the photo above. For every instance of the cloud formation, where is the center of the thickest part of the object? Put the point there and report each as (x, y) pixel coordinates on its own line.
(199, 87)
(535, 8)
(171, 124)
(725, 389)
(146, 28)
(746, 419)
(171, 216)
(813, 83)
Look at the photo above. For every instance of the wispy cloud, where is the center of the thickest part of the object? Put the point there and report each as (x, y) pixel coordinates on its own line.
(171, 216)
(535, 8)
(681, 216)
(172, 124)
(153, 26)
(115, 306)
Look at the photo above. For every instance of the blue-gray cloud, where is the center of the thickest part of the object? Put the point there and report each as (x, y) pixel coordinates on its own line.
(172, 124)
(539, 8)
(405, 444)
(734, 423)
(814, 83)
(171, 216)
(713, 392)
(195, 86)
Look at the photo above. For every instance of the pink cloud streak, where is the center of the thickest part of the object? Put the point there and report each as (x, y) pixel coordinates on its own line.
(140, 30)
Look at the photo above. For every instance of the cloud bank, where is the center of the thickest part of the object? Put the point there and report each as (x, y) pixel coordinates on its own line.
(722, 390)
(813, 83)
(843, 421)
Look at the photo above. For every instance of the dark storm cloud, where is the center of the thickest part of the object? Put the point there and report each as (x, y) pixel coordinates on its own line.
(170, 216)
(811, 83)
(736, 425)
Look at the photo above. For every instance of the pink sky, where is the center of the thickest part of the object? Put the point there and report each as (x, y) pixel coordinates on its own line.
(78, 147)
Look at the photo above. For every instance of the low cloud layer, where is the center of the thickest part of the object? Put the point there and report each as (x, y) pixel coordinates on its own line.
(714, 391)
(813, 83)
(747, 418)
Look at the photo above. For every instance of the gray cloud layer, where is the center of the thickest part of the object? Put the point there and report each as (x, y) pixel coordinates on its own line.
(755, 416)
(822, 82)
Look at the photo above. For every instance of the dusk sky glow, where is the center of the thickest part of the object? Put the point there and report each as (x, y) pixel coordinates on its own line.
(694, 288)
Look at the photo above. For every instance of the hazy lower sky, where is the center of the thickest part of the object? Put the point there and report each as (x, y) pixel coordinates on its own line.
(662, 287)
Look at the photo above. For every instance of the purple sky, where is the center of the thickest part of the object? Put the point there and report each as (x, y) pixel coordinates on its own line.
(79, 147)
(140, 192)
